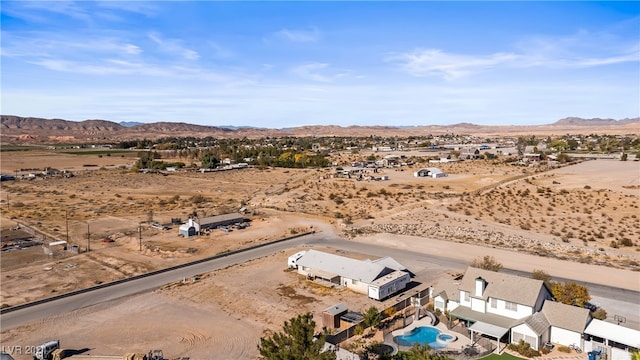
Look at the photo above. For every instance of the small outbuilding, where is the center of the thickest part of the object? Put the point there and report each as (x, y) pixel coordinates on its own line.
(191, 228)
(213, 222)
(432, 172)
(331, 316)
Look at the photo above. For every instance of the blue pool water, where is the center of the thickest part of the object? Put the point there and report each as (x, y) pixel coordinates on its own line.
(425, 335)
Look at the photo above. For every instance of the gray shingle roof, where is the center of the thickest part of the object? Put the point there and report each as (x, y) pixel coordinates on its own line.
(507, 287)
(390, 263)
(448, 289)
(565, 316)
(538, 323)
(360, 270)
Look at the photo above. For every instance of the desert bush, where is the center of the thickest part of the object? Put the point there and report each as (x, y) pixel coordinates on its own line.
(564, 349)
(358, 330)
(524, 349)
(599, 314)
(626, 242)
(487, 263)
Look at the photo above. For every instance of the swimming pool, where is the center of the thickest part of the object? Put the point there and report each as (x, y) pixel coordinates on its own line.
(425, 335)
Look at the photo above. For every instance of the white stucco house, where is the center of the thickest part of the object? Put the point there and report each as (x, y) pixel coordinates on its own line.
(510, 308)
(379, 278)
(491, 303)
(557, 323)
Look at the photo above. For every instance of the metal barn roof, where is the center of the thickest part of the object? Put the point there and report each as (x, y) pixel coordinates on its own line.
(219, 218)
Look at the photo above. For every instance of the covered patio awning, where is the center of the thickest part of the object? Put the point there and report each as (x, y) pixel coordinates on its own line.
(613, 332)
(489, 329)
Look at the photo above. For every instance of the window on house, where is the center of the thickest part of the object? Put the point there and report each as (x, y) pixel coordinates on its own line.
(466, 296)
(439, 304)
(494, 303)
(510, 306)
(354, 282)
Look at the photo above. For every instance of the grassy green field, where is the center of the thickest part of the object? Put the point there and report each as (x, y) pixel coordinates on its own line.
(19, 148)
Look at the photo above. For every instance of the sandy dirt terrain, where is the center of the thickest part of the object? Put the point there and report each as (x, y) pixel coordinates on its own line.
(572, 220)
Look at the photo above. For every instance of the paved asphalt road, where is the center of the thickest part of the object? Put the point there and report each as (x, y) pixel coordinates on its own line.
(425, 265)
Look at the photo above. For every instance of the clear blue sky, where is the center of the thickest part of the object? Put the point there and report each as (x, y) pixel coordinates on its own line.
(283, 64)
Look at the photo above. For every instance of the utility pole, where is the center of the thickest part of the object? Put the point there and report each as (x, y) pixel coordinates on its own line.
(66, 220)
(88, 239)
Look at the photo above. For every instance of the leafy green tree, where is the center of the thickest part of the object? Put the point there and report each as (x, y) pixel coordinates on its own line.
(559, 145)
(372, 316)
(209, 161)
(296, 341)
(487, 263)
(521, 145)
(624, 157)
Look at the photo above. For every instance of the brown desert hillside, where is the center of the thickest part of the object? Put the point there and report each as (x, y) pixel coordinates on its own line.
(24, 130)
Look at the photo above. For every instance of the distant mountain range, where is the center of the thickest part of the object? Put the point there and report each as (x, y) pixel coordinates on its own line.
(17, 129)
(130, 123)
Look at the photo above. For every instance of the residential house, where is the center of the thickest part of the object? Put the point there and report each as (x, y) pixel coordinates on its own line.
(556, 322)
(491, 303)
(379, 278)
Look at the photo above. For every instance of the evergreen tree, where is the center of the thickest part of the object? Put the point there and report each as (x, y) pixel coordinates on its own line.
(295, 342)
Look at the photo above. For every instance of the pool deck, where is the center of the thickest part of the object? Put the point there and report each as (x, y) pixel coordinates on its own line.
(457, 344)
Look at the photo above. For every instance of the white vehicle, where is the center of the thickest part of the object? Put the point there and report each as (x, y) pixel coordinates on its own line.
(293, 259)
(45, 351)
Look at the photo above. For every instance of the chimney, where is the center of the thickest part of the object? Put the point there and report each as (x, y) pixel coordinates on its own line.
(480, 285)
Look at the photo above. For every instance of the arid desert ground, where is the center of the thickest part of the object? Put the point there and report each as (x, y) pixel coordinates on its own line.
(580, 220)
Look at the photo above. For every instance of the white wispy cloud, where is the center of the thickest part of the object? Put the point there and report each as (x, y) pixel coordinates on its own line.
(139, 7)
(298, 35)
(34, 44)
(174, 47)
(582, 49)
(451, 66)
(436, 62)
(317, 72)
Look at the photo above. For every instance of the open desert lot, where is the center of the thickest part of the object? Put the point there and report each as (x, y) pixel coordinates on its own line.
(583, 215)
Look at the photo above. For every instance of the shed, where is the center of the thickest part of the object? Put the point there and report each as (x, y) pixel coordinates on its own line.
(191, 228)
(331, 316)
(213, 222)
(432, 172)
(350, 318)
